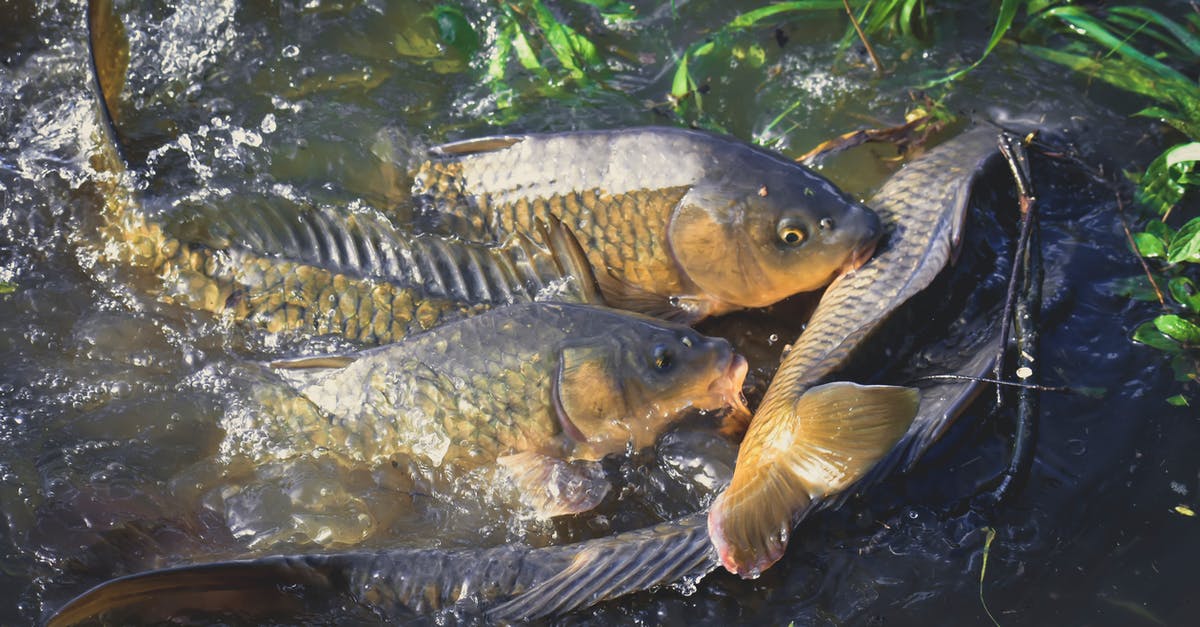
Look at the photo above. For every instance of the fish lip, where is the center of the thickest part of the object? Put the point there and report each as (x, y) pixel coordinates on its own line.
(860, 257)
(728, 386)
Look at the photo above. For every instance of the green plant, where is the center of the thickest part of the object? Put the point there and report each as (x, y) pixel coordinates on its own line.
(1135, 49)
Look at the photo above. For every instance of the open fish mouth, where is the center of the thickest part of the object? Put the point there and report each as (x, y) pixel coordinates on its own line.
(728, 387)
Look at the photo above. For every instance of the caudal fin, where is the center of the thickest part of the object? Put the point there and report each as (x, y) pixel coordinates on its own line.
(842, 431)
(109, 49)
(247, 588)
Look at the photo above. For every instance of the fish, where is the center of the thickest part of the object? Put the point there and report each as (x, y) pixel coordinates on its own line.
(513, 583)
(290, 266)
(544, 390)
(775, 481)
(677, 223)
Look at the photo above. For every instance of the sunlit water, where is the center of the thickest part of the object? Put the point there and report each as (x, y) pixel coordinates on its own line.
(128, 438)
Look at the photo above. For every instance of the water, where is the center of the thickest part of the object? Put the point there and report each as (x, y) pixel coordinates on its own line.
(120, 419)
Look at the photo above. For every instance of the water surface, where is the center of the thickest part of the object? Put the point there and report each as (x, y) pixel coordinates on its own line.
(127, 440)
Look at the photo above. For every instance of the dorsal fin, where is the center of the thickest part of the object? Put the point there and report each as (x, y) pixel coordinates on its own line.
(475, 146)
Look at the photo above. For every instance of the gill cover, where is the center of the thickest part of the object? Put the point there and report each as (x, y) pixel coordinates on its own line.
(587, 393)
(707, 238)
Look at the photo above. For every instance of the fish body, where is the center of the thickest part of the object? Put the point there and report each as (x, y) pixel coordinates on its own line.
(923, 208)
(676, 223)
(530, 386)
(289, 266)
(515, 583)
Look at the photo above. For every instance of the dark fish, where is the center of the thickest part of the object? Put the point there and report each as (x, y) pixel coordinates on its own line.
(286, 266)
(677, 223)
(531, 386)
(775, 481)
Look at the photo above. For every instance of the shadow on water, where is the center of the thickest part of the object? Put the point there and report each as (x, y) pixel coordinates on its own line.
(113, 407)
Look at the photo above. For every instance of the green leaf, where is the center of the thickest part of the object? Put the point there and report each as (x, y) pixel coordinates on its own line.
(750, 18)
(7, 288)
(1186, 244)
(1178, 400)
(455, 30)
(1178, 328)
(1161, 230)
(1136, 287)
(681, 84)
(1177, 30)
(1168, 177)
(1004, 20)
(1183, 290)
(615, 10)
(1148, 334)
(1149, 246)
(1183, 367)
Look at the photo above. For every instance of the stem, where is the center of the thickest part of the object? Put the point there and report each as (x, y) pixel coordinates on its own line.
(863, 37)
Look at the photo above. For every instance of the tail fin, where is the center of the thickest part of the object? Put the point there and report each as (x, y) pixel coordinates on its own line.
(251, 587)
(843, 430)
(516, 583)
(109, 50)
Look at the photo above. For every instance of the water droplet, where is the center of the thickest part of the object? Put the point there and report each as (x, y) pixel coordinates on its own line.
(291, 51)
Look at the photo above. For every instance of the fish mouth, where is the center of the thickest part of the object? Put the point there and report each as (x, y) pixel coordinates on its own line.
(860, 257)
(728, 387)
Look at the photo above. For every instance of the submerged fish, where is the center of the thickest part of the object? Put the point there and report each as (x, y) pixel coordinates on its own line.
(677, 223)
(531, 386)
(286, 266)
(517, 583)
(776, 481)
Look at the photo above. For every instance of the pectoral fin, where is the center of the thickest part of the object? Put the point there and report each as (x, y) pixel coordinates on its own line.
(843, 430)
(555, 487)
(622, 294)
(570, 259)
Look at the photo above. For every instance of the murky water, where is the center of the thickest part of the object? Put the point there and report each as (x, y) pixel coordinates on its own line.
(127, 439)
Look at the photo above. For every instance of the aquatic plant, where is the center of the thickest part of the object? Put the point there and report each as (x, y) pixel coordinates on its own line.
(1135, 49)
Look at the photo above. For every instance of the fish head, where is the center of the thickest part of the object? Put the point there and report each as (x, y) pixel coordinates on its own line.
(626, 386)
(755, 239)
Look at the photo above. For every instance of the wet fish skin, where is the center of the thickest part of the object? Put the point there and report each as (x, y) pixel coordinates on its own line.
(396, 584)
(283, 266)
(552, 580)
(562, 381)
(677, 223)
(923, 208)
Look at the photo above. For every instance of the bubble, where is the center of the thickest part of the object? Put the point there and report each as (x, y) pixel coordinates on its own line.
(268, 123)
(291, 51)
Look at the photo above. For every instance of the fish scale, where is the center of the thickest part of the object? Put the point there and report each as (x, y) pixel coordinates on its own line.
(675, 223)
(416, 386)
(626, 246)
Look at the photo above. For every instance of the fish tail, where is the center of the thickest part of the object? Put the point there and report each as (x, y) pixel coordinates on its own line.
(255, 586)
(508, 583)
(110, 64)
(842, 430)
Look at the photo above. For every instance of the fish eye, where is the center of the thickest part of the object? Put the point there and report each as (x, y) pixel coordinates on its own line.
(790, 234)
(663, 358)
(825, 224)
